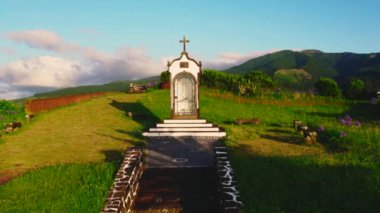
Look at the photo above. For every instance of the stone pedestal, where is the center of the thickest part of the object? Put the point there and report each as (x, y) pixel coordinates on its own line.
(182, 143)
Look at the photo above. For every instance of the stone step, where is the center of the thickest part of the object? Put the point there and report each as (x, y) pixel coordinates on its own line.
(184, 134)
(184, 125)
(185, 129)
(178, 121)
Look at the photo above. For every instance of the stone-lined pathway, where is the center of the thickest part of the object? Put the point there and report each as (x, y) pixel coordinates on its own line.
(178, 190)
(180, 152)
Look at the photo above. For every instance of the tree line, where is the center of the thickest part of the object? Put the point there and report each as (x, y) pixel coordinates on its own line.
(257, 83)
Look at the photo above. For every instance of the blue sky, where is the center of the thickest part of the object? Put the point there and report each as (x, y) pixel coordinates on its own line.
(222, 33)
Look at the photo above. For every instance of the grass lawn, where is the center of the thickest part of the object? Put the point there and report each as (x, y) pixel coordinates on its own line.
(81, 133)
(275, 171)
(63, 188)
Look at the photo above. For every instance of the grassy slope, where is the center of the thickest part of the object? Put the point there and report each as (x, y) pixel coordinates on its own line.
(115, 86)
(274, 171)
(111, 87)
(64, 188)
(79, 133)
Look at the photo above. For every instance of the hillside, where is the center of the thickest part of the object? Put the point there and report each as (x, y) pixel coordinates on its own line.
(71, 153)
(115, 86)
(341, 66)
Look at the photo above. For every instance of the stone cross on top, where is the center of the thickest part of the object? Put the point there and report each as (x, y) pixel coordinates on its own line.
(184, 41)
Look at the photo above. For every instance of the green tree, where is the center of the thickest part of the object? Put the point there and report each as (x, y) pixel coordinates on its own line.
(356, 89)
(165, 77)
(328, 87)
(6, 106)
(257, 83)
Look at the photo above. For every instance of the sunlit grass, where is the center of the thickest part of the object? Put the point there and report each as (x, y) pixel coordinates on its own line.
(276, 172)
(79, 133)
(65, 188)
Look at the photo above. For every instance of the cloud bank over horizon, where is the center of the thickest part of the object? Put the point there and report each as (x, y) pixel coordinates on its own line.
(72, 64)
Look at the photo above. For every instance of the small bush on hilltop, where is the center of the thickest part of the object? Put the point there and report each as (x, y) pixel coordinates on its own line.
(356, 89)
(257, 83)
(251, 84)
(328, 87)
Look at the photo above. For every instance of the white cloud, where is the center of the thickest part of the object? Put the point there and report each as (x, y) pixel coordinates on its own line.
(43, 71)
(9, 92)
(41, 39)
(125, 63)
(77, 64)
(8, 51)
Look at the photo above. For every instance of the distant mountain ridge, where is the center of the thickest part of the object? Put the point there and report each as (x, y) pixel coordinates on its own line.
(340, 66)
(299, 70)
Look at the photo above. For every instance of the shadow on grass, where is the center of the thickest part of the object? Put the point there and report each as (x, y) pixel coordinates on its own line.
(364, 112)
(281, 131)
(132, 142)
(323, 114)
(282, 138)
(139, 112)
(229, 122)
(113, 156)
(304, 184)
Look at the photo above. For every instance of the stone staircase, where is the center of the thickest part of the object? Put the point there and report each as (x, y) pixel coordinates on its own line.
(185, 128)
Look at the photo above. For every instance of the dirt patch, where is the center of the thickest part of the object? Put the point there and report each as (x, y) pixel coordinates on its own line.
(8, 175)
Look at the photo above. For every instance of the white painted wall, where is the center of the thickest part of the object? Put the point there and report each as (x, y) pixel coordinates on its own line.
(174, 68)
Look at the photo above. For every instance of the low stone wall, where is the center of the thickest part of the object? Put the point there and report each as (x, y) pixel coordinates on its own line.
(43, 104)
(124, 190)
(229, 194)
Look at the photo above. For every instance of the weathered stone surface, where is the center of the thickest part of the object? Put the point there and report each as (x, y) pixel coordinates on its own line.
(124, 190)
(229, 194)
(167, 152)
(297, 123)
(310, 137)
(178, 190)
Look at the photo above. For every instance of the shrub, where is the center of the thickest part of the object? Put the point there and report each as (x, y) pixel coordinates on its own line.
(258, 83)
(334, 140)
(328, 87)
(251, 84)
(9, 112)
(6, 107)
(356, 89)
(165, 77)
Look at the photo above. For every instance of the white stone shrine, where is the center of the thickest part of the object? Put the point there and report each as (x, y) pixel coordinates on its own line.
(184, 82)
(185, 74)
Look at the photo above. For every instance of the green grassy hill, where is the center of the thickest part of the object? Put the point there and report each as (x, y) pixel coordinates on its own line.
(70, 154)
(116, 86)
(341, 66)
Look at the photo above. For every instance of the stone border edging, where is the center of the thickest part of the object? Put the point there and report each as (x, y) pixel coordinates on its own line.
(124, 189)
(229, 194)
